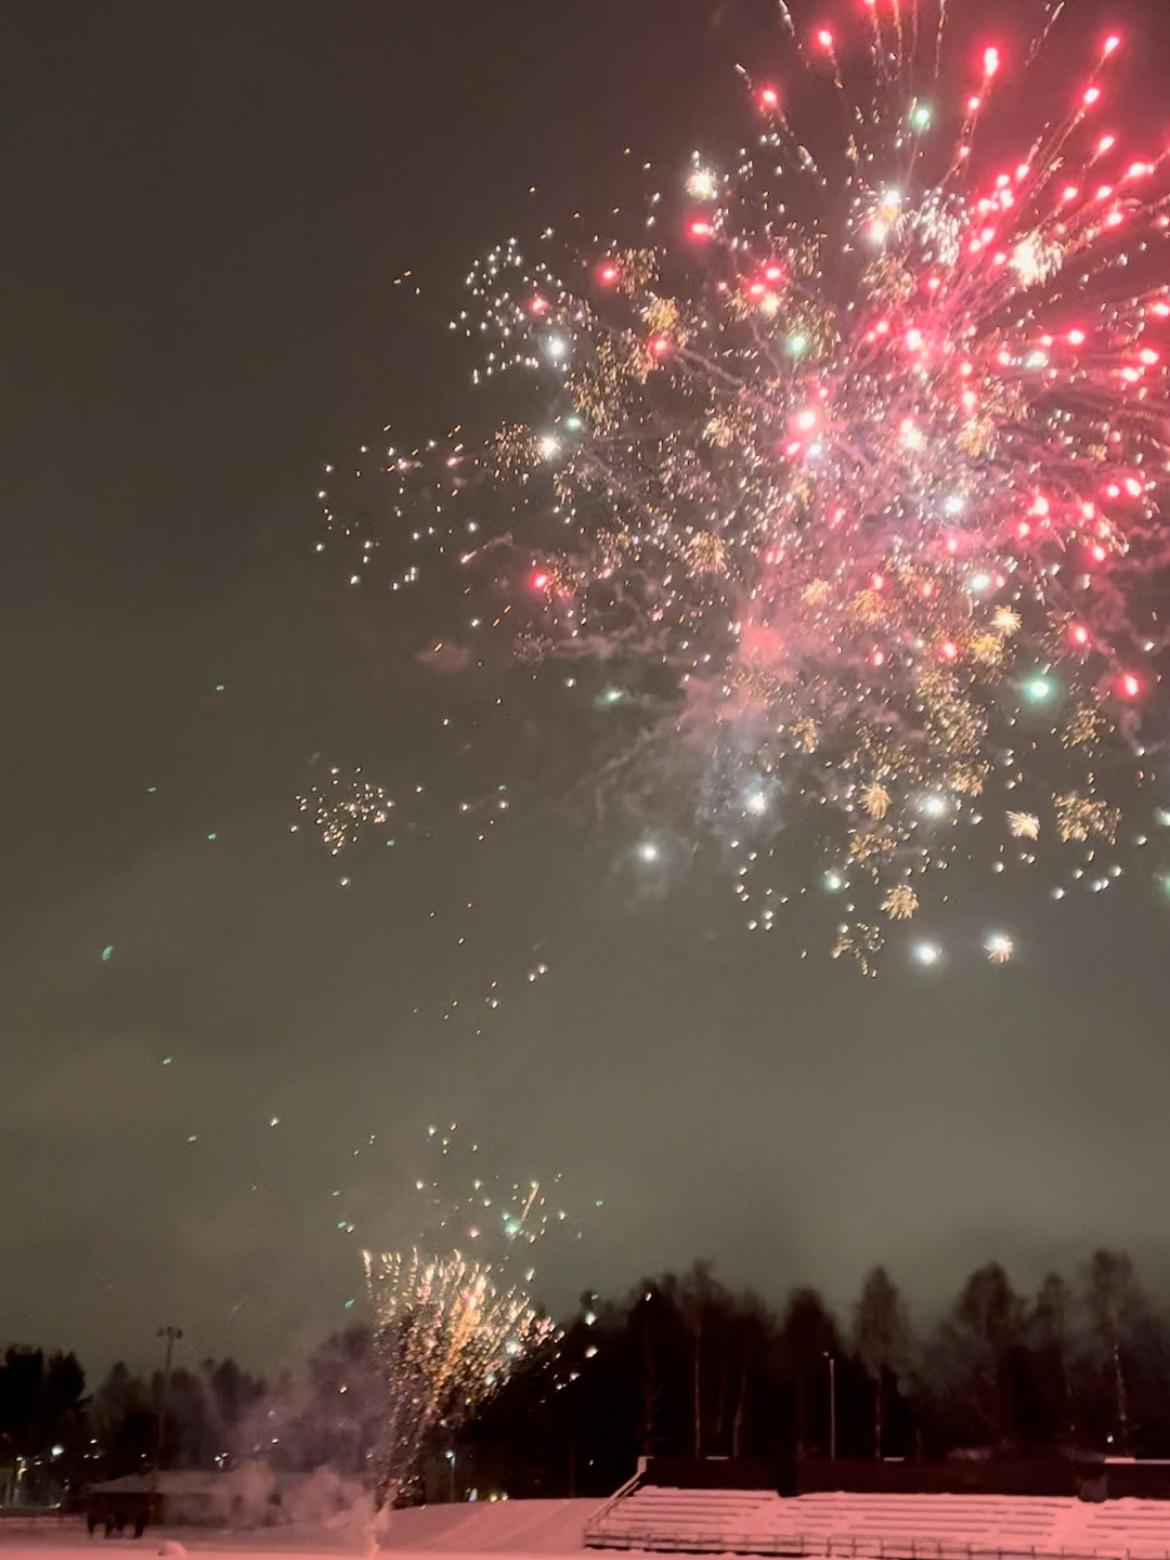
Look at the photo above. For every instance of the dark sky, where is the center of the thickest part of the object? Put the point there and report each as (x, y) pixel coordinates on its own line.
(208, 203)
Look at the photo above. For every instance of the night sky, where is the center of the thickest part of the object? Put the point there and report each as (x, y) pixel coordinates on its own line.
(208, 205)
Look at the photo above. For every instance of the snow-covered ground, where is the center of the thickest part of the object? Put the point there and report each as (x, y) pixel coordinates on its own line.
(843, 1526)
(533, 1528)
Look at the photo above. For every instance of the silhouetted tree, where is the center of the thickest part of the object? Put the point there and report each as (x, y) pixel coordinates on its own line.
(881, 1338)
(973, 1358)
(808, 1339)
(1051, 1405)
(123, 1422)
(42, 1406)
(1115, 1306)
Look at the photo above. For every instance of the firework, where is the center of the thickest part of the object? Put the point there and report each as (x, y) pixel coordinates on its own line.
(848, 487)
(345, 808)
(472, 1204)
(999, 947)
(446, 1337)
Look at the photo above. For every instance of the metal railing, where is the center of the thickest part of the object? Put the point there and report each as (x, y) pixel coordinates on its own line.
(678, 1540)
(602, 1512)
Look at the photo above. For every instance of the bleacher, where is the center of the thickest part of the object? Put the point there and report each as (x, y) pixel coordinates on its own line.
(651, 1516)
(1140, 1528)
(879, 1526)
(888, 1523)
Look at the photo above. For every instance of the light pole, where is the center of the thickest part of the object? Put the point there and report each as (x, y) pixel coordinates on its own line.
(832, 1359)
(171, 1335)
(450, 1456)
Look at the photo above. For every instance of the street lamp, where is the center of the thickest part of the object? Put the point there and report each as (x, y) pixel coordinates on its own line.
(832, 1359)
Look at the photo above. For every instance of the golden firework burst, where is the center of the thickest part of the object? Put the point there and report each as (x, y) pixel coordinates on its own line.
(1083, 817)
(1084, 728)
(901, 903)
(806, 733)
(867, 846)
(1006, 621)
(706, 553)
(875, 799)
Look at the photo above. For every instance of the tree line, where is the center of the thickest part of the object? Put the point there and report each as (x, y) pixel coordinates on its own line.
(681, 1366)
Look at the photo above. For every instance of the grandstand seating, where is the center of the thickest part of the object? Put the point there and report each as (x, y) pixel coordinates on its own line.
(879, 1526)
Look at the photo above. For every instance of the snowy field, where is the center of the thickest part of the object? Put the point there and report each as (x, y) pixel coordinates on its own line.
(843, 1526)
(533, 1528)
